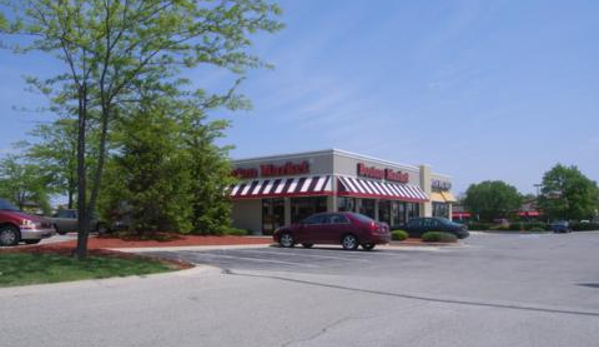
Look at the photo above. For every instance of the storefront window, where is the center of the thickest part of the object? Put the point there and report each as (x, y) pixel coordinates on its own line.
(273, 215)
(304, 207)
(440, 209)
(346, 204)
(385, 211)
(412, 210)
(367, 207)
(399, 213)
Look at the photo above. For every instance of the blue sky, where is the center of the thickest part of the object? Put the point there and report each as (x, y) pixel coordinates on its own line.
(477, 89)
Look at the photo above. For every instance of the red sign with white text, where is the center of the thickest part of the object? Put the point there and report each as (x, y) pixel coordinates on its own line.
(270, 170)
(387, 174)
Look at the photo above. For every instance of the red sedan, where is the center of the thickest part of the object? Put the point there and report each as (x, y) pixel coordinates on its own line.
(346, 228)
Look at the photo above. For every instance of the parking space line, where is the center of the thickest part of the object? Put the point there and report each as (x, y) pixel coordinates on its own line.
(307, 255)
(252, 259)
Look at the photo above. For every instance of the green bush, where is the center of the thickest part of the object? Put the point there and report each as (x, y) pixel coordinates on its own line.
(437, 236)
(537, 230)
(236, 232)
(399, 235)
(535, 225)
(585, 226)
(502, 228)
(478, 226)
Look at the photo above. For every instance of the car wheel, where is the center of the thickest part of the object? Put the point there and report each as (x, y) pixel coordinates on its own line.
(307, 245)
(349, 242)
(58, 231)
(101, 228)
(286, 240)
(32, 242)
(9, 236)
(368, 246)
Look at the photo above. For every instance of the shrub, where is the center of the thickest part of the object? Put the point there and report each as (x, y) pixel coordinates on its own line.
(236, 232)
(478, 226)
(502, 228)
(585, 226)
(535, 225)
(537, 230)
(399, 235)
(437, 236)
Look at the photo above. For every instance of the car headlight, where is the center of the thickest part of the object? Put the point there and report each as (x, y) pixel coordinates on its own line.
(30, 224)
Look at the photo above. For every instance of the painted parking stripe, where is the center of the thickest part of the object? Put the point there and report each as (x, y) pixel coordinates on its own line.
(199, 256)
(308, 254)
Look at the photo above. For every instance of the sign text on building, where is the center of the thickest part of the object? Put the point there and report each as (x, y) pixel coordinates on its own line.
(289, 169)
(440, 185)
(388, 174)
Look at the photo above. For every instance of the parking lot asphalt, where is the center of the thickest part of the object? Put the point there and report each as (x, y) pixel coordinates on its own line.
(495, 290)
(545, 271)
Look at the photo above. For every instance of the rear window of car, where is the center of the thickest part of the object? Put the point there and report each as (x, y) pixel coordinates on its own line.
(363, 218)
(338, 219)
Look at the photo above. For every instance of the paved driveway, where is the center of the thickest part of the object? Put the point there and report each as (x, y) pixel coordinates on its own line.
(497, 290)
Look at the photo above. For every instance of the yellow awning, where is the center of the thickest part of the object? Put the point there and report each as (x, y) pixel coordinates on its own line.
(437, 197)
(448, 197)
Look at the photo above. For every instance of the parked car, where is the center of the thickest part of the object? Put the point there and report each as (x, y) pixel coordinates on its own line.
(17, 226)
(561, 226)
(346, 228)
(418, 226)
(66, 220)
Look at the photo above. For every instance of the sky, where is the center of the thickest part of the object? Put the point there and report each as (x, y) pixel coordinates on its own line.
(479, 90)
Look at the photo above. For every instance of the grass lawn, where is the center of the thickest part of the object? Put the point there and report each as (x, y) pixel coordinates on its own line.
(17, 269)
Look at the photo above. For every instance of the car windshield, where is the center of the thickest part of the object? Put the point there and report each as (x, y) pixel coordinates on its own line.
(7, 206)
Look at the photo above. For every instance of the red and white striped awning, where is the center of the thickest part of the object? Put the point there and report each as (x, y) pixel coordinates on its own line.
(283, 187)
(380, 190)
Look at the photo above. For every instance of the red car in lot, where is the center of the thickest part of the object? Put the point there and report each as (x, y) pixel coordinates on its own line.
(16, 226)
(346, 228)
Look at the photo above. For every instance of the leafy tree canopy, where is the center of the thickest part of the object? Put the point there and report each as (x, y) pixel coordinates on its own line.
(24, 183)
(568, 194)
(492, 199)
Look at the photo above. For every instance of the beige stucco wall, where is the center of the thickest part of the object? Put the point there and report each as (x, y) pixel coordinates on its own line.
(247, 214)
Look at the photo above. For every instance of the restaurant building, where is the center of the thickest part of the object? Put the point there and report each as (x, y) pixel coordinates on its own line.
(277, 190)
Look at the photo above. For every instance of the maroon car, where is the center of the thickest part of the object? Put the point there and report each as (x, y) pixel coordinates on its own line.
(346, 228)
(16, 226)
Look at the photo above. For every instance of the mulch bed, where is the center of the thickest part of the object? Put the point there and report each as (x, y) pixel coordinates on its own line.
(100, 245)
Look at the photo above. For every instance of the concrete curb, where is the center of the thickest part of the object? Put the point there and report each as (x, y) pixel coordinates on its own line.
(185, 248)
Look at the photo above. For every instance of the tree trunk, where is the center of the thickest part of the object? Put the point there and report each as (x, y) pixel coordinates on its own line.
(83, 219)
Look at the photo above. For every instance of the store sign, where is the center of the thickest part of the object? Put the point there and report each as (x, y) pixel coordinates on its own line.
(289, 169)
(441, 185)
(269, 170)
(245, 173)
(387, 174)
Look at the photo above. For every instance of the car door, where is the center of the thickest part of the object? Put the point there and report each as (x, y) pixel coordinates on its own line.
(336, 226)
(414, 227)
(311, 229)
(71, 221)
(63, 219)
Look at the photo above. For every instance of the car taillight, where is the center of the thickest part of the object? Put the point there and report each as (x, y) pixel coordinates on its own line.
(373, 226)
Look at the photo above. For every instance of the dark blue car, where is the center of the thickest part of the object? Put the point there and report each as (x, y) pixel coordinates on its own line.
(561, 226)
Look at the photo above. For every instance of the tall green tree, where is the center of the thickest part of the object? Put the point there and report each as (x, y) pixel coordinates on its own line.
(109, 46)
(55, 152)
(567, 193)
(210, 173)
(150, 168)
(492, 199)
(23, 183)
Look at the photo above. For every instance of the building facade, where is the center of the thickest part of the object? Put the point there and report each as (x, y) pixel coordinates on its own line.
(277, 190)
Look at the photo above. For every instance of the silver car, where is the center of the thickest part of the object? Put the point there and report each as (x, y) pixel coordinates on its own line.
(65, 221)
